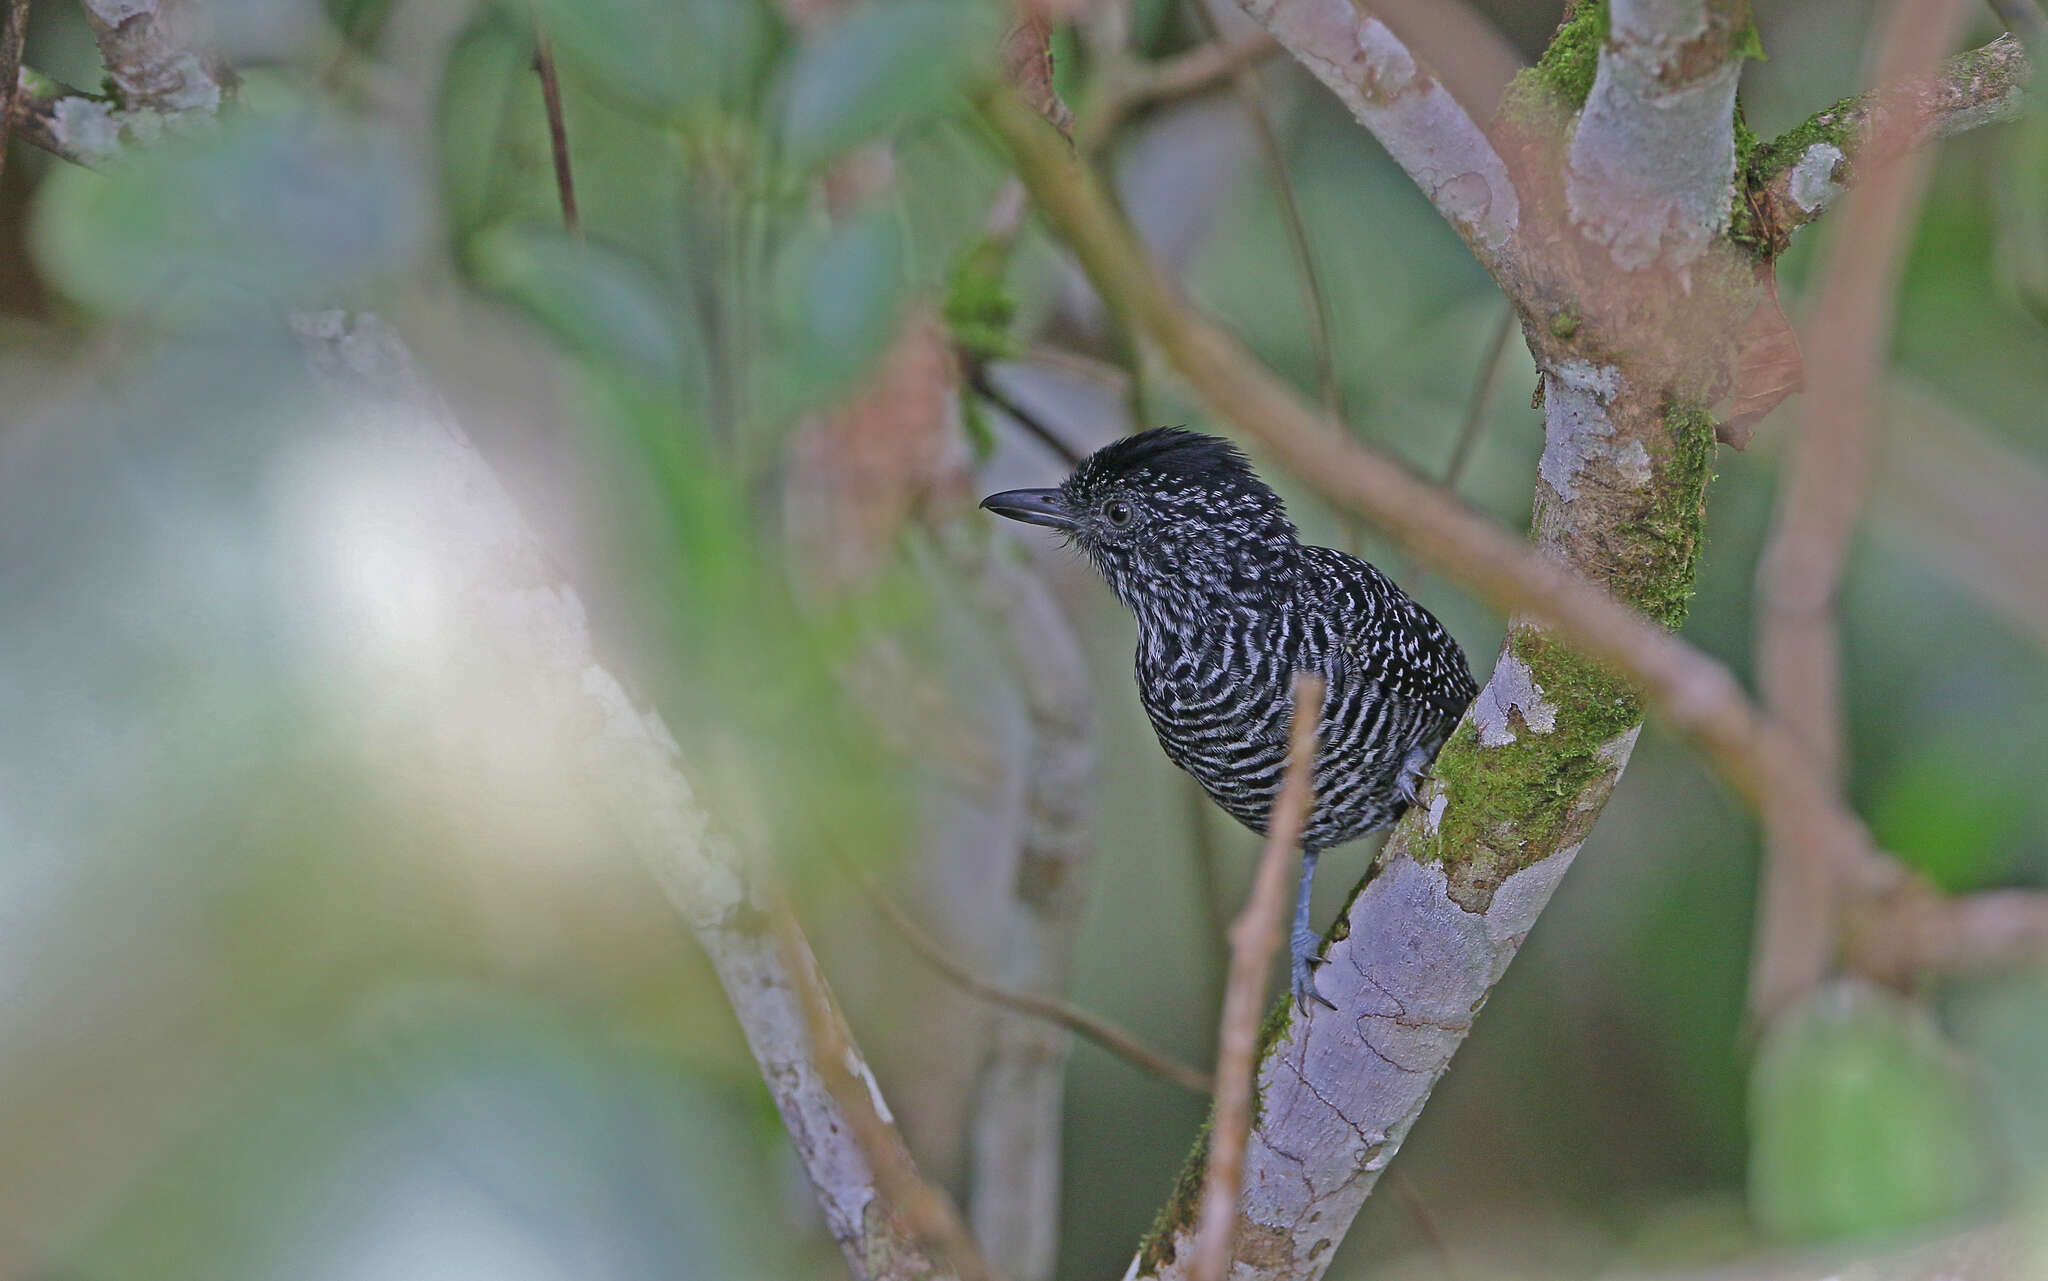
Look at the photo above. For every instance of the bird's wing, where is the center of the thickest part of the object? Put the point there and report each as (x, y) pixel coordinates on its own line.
(1384, 637)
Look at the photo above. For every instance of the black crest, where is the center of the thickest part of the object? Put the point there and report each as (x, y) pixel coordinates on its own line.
(1209, 461)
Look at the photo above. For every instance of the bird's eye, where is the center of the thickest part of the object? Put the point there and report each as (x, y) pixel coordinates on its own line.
(1119, 513)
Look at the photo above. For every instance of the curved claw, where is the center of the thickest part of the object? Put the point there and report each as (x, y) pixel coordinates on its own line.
(1302, 949)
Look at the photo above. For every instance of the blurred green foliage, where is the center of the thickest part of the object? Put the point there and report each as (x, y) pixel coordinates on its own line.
(1862, 1122)
(261, 212)
(680, 60)
(882, 68)
(452, 1136)
(597, 300)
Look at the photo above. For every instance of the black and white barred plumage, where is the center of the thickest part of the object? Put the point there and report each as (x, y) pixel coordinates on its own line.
(1230, 605)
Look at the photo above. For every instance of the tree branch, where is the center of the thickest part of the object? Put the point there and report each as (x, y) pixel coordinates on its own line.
(157, 59)
(1399, 99)
(1019, 1091)
(1915, 932)
(1653, 154)
(159, 75)
(927, 1211)
(1802, 173)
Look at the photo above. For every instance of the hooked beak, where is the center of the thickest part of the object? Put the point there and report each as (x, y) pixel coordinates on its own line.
(1032, 506)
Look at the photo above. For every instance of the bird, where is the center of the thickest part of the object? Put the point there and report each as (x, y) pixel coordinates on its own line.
(1230, 604)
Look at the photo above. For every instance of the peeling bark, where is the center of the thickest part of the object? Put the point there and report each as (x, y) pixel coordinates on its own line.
(161, 77)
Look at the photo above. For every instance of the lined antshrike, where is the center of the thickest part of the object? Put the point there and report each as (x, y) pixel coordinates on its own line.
(1230, 604)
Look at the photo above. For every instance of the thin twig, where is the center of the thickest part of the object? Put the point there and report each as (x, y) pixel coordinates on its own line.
(1079, 1021)
(558, 127)
(1254, 937)
(1475, 417)
(1404, 1188)
(1801, 572)
(985, 387)
(1127, 85)
(1481, 396)
(927, 1212)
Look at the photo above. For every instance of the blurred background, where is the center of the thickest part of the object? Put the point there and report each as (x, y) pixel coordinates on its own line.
(319, 959)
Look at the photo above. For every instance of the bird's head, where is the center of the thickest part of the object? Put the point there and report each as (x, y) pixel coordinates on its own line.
(1175, 520)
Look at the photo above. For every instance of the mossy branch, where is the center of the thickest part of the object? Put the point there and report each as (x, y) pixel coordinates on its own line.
(1794, 178)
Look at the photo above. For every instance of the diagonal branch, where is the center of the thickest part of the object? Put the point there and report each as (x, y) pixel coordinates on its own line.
(558, 127)
(1400, 100)
(926, 1211)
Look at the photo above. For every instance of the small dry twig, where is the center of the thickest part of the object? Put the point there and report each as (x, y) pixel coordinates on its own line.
(558, 127)
(1254, 937)
(1066, 1014)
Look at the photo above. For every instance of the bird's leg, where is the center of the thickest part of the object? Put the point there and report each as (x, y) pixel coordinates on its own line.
(1301, 944)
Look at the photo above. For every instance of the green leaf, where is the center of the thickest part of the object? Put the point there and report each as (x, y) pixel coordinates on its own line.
(885, 67)
(256, 212)
(674, 57)
(599, 302)
(1862, 1122)
(980, 306)
(1955, 812)
(837, 295)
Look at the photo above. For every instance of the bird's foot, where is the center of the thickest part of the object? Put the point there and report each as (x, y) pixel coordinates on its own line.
(1302, 951)
(1408, 782)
